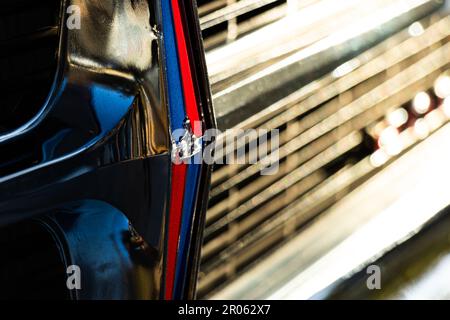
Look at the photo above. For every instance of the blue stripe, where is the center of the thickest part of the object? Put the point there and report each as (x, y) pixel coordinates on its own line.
(175, 95)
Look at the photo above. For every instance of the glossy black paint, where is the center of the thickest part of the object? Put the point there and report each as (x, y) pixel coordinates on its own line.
(96, 237)
(97, 153)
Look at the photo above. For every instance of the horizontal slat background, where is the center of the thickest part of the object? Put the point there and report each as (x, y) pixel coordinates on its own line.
(328, 127)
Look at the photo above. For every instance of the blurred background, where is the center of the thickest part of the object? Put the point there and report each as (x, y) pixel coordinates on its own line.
(360, 91)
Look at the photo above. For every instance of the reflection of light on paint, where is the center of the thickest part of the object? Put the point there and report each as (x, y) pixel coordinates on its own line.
(110, 105)
(446, 106)
(421, 102)
(416, 29)
(378, 158)
(421, 129)
(390, 141)
(442, 86)
(397, 117)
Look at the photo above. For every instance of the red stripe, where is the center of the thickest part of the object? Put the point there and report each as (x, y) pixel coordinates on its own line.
(176, 206)
(185, 66)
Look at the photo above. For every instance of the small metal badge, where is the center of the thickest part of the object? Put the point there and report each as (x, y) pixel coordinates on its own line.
(187, 146)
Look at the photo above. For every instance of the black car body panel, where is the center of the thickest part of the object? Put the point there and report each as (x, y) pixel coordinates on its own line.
(93, 165)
